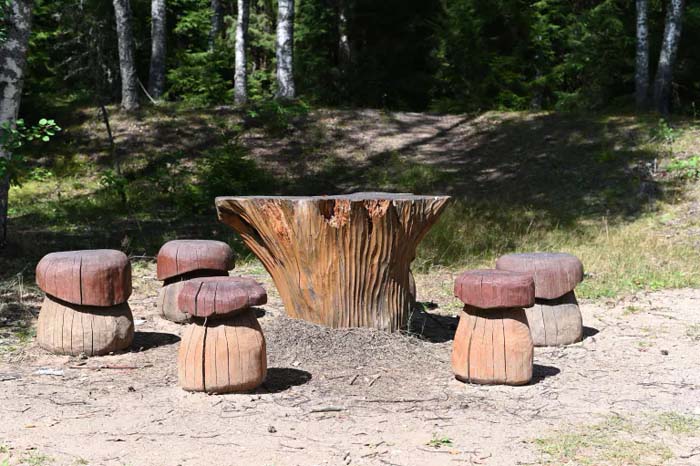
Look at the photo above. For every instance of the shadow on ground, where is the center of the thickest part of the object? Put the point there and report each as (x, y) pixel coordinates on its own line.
(280, 379)
(148, 340)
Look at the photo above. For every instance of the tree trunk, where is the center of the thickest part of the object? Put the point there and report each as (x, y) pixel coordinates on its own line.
(13, 58)
(217, 22)
(344, 50)
(285, 49)
(641, 72)
(127, 63)
(156, 75)
(240, 92)
(339, 261)
(667, 58)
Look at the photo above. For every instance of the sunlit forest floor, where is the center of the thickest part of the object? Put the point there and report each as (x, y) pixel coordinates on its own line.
(619, 191)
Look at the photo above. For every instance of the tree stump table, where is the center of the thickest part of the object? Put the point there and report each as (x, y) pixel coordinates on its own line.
(339, 261)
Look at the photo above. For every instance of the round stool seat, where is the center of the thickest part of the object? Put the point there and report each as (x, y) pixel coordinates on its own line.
(555, 273)
(182, 256)
(100, 277)
(495, 289)
(220, 296)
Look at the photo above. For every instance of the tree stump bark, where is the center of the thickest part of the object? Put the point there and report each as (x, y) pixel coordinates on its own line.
(493, 346)
(339, 261)
(66, 328)
(223, 356)
(555, 322)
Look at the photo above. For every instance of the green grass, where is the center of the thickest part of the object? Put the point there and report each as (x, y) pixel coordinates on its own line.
(615, 441)
(520, 182)
(693, 332)
(440, 441)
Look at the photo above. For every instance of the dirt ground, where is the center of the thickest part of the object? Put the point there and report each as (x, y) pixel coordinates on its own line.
(628, 394)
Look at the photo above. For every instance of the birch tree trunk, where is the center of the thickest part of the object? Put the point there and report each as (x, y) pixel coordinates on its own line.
(17, 17)
(240, 91)
(217, 22)
(127, 63)
(667, 57)
(285, 46)
(641, 72)
(156, 75)
(344, 50)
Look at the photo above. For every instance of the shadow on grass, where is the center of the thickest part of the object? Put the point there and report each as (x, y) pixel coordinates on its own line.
(509, 176)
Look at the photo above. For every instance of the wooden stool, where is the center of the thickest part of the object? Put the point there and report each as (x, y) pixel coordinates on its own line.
(555, 319)
(85, 309)
(223, 350)
(492, 344)
(182, 260)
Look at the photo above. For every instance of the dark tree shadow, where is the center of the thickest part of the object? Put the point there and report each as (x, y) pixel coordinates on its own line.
(280, 379)
(541, 372)
(144, 341)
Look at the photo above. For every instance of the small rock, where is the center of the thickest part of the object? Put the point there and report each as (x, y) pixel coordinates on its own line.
(131, 389)
(664, 352)
(271, 429)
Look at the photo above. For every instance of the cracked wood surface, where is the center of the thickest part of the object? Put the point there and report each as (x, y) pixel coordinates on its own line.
(339, 261)
(99, 277)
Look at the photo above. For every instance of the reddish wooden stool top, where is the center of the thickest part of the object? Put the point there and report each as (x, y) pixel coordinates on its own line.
(220, 296)
(555, 273)
(495, 289)
(187, 255)
(99, 277)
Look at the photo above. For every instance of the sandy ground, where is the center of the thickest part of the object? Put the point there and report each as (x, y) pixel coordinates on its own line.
(357, 396)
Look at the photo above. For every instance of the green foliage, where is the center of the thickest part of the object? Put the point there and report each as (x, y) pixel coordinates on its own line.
(686, 168)
(274, 116)
(14, 136)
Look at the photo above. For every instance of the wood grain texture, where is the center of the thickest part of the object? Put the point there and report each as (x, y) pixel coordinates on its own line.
(555, 273)
(493, 347)
(223, 356)
(219, 296)
(555, 322)
(100, 277)
(339, 261)
(495, 289)
(65, 328)
(167, 304)
(186, 255)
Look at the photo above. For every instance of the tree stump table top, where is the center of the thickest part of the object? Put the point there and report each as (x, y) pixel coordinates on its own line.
(555, 273)
(340, 261)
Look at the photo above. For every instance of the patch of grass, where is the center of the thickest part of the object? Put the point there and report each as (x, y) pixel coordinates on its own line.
(618, 259)
(631, 310)
(35, 459)
(693, 332)
(679, 424)
(614, 441)
(438, 442)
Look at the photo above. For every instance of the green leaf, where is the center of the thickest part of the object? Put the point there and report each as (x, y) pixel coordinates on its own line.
(43, 121)
(45, 139)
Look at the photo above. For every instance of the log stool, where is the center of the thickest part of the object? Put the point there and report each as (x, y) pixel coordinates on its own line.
(182, 260)
(223, 349)
(492, 344)
(555, 319)
(85, 309)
